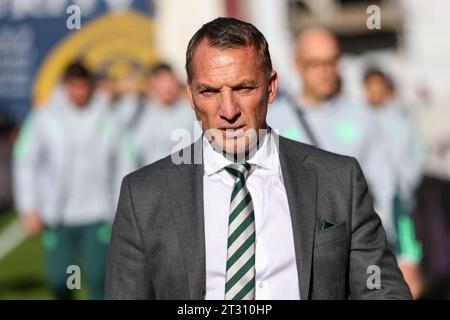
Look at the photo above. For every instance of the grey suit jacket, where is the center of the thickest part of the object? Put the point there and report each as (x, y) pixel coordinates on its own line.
(157, 249)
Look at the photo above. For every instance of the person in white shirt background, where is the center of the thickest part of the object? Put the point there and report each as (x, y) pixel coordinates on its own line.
(64, 179)
(407, 155)
(162, 110)
(319, 113)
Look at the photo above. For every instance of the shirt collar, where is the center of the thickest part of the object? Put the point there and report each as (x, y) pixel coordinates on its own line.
(266, 157)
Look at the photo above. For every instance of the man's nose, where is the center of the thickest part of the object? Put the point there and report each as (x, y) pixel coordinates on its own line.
(229, 108)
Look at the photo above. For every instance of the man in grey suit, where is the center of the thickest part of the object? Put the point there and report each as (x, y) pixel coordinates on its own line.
(250, 216)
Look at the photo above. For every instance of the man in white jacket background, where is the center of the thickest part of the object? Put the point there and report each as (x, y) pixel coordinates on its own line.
(64, 179)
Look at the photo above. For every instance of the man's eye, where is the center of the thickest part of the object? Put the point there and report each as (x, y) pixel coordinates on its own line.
(207, 92)
(245, 89)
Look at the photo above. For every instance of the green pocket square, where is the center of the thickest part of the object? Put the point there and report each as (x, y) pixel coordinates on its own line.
(325, 225)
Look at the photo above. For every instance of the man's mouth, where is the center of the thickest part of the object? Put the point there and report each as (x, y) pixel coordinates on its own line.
(233, 132)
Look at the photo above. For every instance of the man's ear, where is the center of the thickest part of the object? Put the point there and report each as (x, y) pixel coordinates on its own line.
(273, 86)
(189, 94)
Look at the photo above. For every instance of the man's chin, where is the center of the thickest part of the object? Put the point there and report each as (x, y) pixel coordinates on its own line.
(230, 145)
(235, 145)
(236, 150)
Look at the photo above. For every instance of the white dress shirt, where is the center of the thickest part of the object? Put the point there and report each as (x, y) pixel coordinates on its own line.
(275, 265)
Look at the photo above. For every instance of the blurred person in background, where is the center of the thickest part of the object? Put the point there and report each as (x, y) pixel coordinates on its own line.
(432, 212)
(163, 111)
(321, 115)
(63, 180)
(7, 134)
(127, 104)
(406, 156)
(105, 88)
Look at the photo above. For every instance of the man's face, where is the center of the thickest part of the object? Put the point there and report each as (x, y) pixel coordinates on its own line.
(79, 90)
(164, 87)
(230, 91)
(377, 91)
(316, 62)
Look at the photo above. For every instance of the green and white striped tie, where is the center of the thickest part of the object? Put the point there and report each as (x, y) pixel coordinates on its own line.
(240, 275)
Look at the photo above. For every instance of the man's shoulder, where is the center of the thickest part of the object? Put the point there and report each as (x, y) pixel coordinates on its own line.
(152, 172)
(330, 167)
(170, 169)
(334, 173)
(312, 152)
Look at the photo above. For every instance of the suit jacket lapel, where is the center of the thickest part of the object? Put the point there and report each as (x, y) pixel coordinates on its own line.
(300, 180)
(189, 220)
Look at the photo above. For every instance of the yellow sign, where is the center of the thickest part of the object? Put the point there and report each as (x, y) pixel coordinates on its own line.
(113, 44)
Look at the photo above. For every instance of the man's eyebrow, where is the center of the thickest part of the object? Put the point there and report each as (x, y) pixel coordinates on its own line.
(243, 83)
(246, 83)
(205, 86)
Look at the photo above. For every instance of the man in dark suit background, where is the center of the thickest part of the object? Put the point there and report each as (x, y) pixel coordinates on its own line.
(259, 216)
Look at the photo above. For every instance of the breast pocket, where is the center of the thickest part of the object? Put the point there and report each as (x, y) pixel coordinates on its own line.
(330, 235)
(330, 263)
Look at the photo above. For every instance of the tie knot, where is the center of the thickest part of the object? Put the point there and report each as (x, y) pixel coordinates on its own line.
(238, 170)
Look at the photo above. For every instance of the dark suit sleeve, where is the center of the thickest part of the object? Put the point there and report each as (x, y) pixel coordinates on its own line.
(127, 275)
(369, 249)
